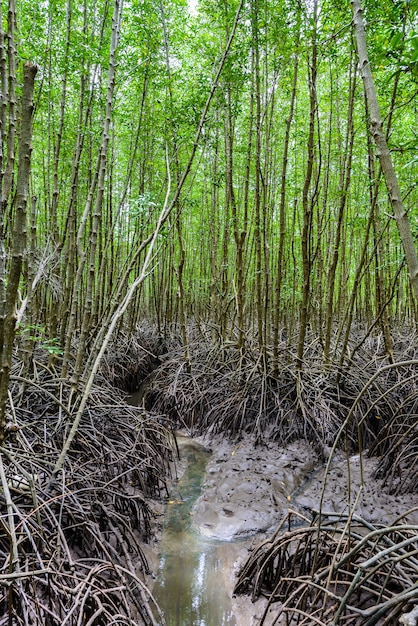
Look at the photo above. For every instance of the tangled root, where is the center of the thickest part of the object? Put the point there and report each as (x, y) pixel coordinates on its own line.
(335, 570)
(71, 546)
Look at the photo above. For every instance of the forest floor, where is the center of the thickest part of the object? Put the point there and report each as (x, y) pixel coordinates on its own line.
(278, 452)
(270, 439)
(249, 488)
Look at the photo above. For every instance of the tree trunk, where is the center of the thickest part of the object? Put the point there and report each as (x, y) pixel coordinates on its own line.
(282, 210)
(18, 239)
(98, 185)
(10, 99)
(383, 153)
(344, 184)
(307, 201)
(257, 183)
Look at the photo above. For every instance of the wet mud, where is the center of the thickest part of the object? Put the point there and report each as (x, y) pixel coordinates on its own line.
(241, 494)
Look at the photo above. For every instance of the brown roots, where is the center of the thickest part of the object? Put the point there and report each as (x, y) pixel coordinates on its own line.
(72, 548)
(226, 390)
(133, 358)
(335, 570)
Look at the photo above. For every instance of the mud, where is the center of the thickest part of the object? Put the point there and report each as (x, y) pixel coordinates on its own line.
(248, 488)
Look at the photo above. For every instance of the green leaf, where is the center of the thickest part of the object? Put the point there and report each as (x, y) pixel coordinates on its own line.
(414, 41)
(396, 40)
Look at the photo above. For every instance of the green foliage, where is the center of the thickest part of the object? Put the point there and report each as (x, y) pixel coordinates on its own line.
(155, 108)
(37, 334)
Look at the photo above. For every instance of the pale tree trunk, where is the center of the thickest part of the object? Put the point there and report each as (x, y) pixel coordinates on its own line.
(382, 151)
(257, 183)
(282, 210)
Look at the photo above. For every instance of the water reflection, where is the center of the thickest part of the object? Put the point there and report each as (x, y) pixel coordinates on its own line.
(190, 585)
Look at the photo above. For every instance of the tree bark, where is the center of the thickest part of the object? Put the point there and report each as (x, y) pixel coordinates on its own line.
(344, 185)
(98, 187)
(282, 208)
(308, 201)
(382, 149)
(10, 100)
(18, 239)
(257, 183)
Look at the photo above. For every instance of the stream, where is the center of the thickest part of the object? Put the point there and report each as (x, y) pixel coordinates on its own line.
(190, 585)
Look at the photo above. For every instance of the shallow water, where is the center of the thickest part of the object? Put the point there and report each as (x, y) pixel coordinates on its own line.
(190, 585)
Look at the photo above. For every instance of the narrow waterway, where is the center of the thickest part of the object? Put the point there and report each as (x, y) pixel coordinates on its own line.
(190, 585)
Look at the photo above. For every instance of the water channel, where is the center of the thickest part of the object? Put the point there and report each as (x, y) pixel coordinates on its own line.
(190, 585)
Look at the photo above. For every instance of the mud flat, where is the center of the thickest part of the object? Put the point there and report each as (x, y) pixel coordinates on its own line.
(248, 488)
(244, 492)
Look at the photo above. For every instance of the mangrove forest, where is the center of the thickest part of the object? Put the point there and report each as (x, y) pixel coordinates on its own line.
(209, 311)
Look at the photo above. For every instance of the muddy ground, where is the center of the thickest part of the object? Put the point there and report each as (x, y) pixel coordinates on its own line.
(249, 488)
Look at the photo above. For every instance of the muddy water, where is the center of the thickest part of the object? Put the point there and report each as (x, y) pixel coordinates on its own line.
(190, 585)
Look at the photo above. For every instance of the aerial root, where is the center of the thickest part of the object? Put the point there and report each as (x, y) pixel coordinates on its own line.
(71, 548)
(233, 391)
(336, 570)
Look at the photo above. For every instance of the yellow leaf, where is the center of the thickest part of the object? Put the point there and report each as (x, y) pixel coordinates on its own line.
(288, 497)
(171, 502)
(233, 452)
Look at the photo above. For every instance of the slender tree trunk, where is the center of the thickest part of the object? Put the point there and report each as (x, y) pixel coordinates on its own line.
(306, 199)
(282, 210)
(344, 184)
(69, 307)
(179, 270)
(214, 233)
(381, 296)
(258, 227)
(18, 239)
(98, 184)
(123, 279)
(55, 311)
(10, 99)
(383, 153)
(239, 232)
(3, 122)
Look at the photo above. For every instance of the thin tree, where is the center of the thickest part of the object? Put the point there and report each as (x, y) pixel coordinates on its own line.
(307, 200)
(383, 153)
(14, 271)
